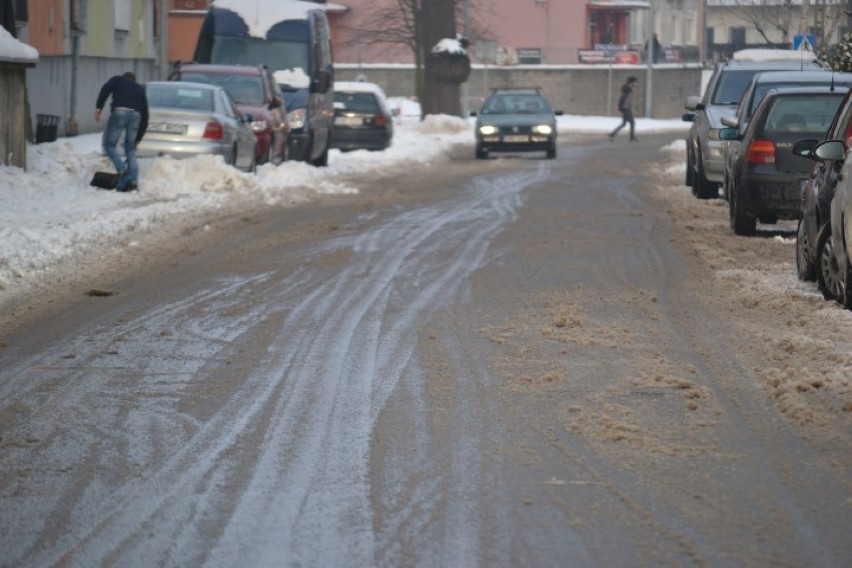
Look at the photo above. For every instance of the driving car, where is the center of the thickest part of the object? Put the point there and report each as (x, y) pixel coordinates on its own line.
(191, 119)
(256, 93)
(765, 178)
(705, 166)
(362, 117)
(814, 231)
(516, 120)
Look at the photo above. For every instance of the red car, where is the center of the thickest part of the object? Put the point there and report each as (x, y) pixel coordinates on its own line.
(256, 94)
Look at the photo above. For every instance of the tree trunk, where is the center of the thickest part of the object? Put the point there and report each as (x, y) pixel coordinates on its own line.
(439, 22)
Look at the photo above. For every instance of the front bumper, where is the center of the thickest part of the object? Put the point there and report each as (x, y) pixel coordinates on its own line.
(516, 143)
(713, 156)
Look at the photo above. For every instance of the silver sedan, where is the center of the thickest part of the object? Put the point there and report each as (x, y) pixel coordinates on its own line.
(191, 119)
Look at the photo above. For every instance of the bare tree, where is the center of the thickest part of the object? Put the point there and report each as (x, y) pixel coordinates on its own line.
(419, 25)
(778, 20)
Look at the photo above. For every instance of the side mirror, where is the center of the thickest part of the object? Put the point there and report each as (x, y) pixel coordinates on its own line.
(729, 134)
(688, 117)
(473, 113)
(558, 113)
(830, 151)
(693, 103)
(730, 121)
(805, 148)
(277, 102)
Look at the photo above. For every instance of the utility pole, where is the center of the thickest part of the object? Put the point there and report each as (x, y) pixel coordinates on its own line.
(649, 59)
(468, 30)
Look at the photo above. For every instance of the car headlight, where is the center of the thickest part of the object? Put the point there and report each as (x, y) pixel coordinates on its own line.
(713, 134)
(543, 129)
(296, 118)
(488, 129)
(258, 125)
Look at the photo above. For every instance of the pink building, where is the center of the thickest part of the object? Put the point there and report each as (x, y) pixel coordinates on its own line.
(507, 31)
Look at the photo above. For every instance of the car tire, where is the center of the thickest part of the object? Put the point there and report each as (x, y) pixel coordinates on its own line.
(481, 152)
(805, 267)
(701, 187)
(690, 176)
(828, 275)
(846, 294)
(741, 223)
(322, 160)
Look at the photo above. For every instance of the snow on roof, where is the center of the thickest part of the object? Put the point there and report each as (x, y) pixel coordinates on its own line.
(774, 55)
(358, 87)
(260, 15)
(13, 50)
(448, 45)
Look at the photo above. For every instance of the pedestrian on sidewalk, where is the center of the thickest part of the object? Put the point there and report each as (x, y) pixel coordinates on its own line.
(128, 116)
(625, 106)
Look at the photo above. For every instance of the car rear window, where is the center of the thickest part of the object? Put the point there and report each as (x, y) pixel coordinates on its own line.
(180, 97)
(810, 113)
(357, 102)
(244, 89)
(731, 86)
(763, 88)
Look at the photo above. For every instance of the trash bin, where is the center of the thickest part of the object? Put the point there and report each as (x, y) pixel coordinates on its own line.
(47, 126)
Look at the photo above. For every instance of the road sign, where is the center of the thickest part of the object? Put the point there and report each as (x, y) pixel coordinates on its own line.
(806, 42)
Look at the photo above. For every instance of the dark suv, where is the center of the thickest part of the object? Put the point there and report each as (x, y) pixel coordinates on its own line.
(257, 94)
(705, 160)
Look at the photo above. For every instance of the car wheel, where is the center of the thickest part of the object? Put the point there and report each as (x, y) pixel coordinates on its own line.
(741, 223)
(701, 187)
(551, 151)
(829, 278)
(689, 167)
(322, 161)
(846, 293)
(805, 266)
(481, 152)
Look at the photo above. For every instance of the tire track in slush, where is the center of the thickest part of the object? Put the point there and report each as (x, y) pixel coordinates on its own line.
(329, 370)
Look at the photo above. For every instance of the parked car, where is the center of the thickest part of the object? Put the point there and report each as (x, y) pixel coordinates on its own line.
(190, 119)
(362, 117)
(814, 229)
(835, 251)
(516, 120)
(257, 94)
(704, 149)
(761, 84)
(765, 178)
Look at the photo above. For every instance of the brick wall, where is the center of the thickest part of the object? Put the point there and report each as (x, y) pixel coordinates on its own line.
(580, 90)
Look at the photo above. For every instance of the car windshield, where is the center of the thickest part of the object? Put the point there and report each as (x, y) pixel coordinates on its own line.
(180, 97)
(244, 89)
(516, 104)
(731, 86)
(809, 113)
(357, 102)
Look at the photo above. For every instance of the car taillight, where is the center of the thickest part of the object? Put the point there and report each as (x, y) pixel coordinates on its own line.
(380, 120)
(761, 152)
(214, 131)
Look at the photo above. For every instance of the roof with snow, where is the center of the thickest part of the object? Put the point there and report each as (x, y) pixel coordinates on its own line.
(12, 50)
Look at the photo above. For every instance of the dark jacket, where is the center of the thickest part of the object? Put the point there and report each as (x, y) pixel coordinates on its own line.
(625, 101)
(126, 93)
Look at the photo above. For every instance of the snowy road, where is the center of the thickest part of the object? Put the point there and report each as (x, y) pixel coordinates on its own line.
(507, 363)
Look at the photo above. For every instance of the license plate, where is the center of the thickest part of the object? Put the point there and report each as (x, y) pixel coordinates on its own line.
(167, 128)
(348, 121)
(516, 138)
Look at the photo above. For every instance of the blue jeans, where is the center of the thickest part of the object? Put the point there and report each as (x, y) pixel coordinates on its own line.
(123, 121)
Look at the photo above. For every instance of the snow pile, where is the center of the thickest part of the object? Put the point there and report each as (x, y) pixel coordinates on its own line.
(13, 50)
